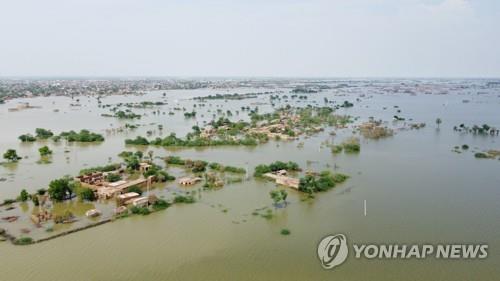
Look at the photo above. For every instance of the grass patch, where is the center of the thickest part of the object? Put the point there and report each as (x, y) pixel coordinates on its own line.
(285, 231)
(24, 241)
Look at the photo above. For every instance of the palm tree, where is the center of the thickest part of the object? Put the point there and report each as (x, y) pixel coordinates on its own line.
(438, 122)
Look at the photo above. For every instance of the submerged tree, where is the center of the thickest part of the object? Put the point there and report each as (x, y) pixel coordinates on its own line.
(60, 189)
(438, 122)
(23, 196)
(11, 155)
(44, 151)
(278, 196)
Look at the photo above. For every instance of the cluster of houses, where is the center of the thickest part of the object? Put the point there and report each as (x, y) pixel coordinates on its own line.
(189, 180)
(273, 129)
(22, 106)
(96, 181)
(281, 178)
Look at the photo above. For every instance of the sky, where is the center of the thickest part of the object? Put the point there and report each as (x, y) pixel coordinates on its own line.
(263, 38)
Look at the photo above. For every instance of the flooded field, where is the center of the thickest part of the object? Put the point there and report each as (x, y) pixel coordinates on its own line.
(419, 185)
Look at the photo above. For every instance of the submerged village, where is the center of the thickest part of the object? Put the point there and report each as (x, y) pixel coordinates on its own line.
(150, 176)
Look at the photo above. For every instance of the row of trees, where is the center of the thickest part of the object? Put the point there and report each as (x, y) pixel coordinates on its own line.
(71, 136)
(12, 156)
(322, 182)
(276, 166)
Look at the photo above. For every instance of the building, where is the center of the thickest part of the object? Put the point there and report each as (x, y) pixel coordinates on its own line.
(144, 167)
(126, 197)
(189, 180)
(283, 180)
(140, 202)
(92, 179)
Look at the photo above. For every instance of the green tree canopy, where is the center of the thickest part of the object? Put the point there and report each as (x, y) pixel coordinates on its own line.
(11, 155)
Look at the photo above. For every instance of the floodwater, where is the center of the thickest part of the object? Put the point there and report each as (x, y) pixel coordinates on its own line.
(417, 190)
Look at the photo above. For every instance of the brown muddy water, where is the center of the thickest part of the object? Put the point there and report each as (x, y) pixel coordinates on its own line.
(416, 189)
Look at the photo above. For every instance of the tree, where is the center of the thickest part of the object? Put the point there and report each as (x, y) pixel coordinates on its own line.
(60, 189)
(27, 138)
(278, 196)
(43, 133)
(135, 189)
(438, 122)
(11, 155)
(132, 162)
(139, 154)
(44, 151)
(23, 196)
(284, 195)
(87, 194)
(35, 199)
(113, 177)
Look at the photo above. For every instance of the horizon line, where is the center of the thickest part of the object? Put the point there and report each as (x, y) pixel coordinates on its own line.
(85, 77)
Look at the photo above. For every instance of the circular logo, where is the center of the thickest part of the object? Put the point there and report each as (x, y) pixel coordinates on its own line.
(332, 250)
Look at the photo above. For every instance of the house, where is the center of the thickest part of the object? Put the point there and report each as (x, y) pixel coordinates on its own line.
(127, 197)
(281, 173)
(189, 180)
(121, 210)
(288, 181)
(92, 179)
(283, 180)
(140, 202)
(144, 167)
(93, 213)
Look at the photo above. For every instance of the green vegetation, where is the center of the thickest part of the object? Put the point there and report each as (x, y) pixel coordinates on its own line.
(285, 231)
(174, 160)
(11, 155)
(68, 216)
(86, 194)
(61, 189)
(212, 181)
(160, 204)
(140, 210)
(27, 138)
(190, 114)
(322, 182)
(159, 174)
(276, 166)
(230, 169)
(44, 151)
(196, 166)
(107, 168)
(127, 115)
(82, 136)
(23, 196)
(438, 122)
(34, 199)
(337, 149)
(196, 141)
(43, 134)
(135, 189)
(482, 155)
(112, 177)
(188, 199)
(278, 196)
(268, 214)
(484, 129)
(375, 130)
(9, 201)
(24, 241)
(351, 145)
(137, 141)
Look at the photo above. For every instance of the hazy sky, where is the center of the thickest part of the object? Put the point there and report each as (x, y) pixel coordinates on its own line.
(334, 38)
